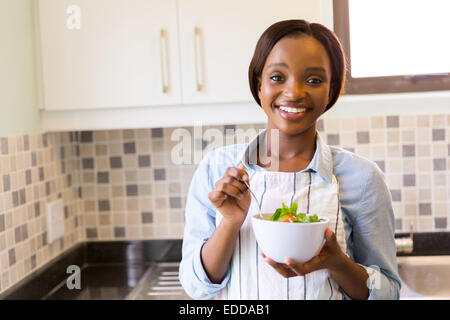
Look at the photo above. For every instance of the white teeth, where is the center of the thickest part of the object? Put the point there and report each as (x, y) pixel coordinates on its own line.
(292, 110)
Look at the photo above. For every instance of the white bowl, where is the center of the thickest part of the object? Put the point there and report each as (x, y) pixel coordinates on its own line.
(281, 240)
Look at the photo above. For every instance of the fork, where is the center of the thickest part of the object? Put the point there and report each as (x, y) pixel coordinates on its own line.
(251, 192)
(256, 199)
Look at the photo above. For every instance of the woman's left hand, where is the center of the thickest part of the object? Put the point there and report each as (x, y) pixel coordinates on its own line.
(329, 257)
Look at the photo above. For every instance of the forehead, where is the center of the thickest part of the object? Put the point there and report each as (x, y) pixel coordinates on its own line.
(300, 52)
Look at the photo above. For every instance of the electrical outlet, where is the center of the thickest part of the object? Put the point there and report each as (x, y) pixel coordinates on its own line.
(55, 220)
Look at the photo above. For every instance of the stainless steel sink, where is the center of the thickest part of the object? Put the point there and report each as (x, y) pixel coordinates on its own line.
(160, 282)
(424, 277)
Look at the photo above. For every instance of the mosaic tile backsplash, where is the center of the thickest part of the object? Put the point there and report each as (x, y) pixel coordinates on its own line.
(124, 185)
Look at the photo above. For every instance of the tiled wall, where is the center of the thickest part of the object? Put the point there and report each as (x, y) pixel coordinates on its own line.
(130, 188)
(123, 184)
(34, 170)
(414, 153)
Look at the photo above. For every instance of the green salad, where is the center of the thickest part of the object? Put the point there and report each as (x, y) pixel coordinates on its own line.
(286, 214)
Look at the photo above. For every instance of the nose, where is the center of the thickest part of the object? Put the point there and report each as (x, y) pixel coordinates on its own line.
(295, 90)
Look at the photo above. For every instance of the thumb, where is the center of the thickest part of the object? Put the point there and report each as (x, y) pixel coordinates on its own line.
(329, 235)
(242, 168)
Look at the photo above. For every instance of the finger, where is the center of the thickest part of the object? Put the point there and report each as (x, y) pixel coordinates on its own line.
(231, 187)
(281, 268)
(270, 261)
(232, 180)
(325, 242)
(231, 190)
(303, 268)
(331, 240)
(244, 173)
(329, 235)
(217, 198)
(237, 173)
(235, 182)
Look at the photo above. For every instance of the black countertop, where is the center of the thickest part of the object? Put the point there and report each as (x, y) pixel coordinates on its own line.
(108, 270)
(111, 269)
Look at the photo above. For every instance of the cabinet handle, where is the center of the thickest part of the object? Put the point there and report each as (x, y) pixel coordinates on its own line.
(164, 61)
(198, 80)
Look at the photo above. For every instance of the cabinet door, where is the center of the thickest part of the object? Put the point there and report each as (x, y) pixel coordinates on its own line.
(108, 53)
(217, 40)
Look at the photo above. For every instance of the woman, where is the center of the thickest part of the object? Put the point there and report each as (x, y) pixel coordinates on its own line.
(296, 74)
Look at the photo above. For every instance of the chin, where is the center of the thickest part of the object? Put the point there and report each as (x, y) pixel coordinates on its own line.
(294, 128)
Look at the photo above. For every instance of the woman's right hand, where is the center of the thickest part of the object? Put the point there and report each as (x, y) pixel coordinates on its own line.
(231, 196)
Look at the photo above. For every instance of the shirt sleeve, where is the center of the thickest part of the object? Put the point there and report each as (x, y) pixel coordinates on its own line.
(200, 217)
(373, 238)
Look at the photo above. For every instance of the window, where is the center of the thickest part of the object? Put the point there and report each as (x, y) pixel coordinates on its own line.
(394, 46)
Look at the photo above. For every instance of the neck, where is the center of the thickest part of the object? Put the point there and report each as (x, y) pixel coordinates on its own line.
(301, 145)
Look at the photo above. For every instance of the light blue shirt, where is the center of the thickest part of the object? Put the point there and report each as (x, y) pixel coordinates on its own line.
(365, 205)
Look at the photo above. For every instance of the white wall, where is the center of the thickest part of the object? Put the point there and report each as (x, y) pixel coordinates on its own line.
(18, 111)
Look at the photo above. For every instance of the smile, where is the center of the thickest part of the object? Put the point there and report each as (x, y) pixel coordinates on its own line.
(292, 110)
(291, 113)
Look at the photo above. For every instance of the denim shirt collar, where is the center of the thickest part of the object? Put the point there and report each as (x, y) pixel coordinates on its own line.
(321, 163)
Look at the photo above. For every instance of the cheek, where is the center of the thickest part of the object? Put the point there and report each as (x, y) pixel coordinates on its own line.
(266, 93)
(321, 96)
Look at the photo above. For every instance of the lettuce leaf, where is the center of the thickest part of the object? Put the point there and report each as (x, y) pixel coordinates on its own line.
(292, 210)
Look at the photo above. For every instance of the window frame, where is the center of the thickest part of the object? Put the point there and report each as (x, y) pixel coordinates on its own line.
(383, 84)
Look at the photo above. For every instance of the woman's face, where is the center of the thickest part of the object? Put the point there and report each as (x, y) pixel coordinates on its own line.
(295, 84)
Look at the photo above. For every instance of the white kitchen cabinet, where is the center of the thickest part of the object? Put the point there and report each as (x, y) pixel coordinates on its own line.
(217, 40)
(124, 53)
(147, 63)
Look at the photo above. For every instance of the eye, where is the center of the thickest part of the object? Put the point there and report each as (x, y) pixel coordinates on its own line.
(314, 81)
(276, 78)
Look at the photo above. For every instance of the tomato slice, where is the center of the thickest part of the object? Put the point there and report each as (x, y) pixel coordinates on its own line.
(286, 218)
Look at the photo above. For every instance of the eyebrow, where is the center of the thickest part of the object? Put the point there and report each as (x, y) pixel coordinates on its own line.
(319, 69)
(282, 64)
(278, 64)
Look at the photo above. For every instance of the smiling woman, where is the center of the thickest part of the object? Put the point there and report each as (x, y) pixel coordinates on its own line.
(296, 75)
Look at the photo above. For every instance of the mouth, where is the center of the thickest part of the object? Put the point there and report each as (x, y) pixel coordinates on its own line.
(291, 111)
